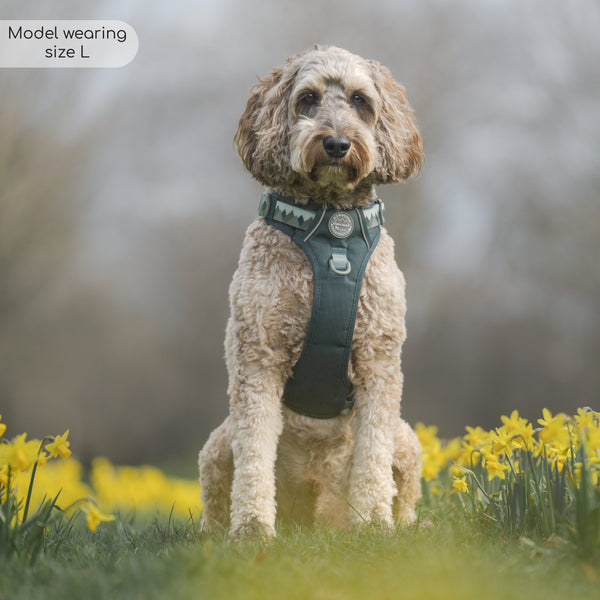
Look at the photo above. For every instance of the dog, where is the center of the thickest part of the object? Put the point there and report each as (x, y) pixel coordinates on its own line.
(320, 131)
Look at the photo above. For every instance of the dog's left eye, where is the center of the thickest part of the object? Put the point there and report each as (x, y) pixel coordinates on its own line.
(357, 100)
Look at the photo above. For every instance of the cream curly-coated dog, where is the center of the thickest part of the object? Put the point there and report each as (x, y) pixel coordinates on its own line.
(325, 127)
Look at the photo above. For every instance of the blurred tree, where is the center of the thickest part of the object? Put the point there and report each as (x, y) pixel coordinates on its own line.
(123, 205)
(39, 211)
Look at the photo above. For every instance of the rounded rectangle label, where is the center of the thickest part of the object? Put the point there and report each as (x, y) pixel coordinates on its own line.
(66, 44)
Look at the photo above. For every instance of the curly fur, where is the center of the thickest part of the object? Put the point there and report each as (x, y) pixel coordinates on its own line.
(266, 461)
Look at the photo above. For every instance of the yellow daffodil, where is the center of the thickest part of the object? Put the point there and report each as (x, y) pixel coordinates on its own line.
(453, 450)
(523, 438)
(476, 436)
(4, 476)
(459, 484)
(553, 428)
(94, 516)
(586, 417)
(593, 473)
(514, 423)
(592, 438)
(19, 454)
(503, 441)
(2, 427)
(430, 470)
(427, 435)
(588, 428)
(469, 456)
(60, 446)
(434, 459)
(494, 467)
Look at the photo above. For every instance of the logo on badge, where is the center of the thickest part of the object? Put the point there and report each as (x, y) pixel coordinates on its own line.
(341, 225)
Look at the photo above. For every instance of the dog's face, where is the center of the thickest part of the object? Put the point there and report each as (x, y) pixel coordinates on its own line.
(332, 116)
(328, 121)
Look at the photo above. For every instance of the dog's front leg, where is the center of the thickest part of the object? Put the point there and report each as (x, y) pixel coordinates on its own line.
(257, 418)
(371, 487)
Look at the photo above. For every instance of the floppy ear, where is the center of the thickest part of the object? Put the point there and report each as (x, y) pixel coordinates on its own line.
(262, 136)
(399, 143)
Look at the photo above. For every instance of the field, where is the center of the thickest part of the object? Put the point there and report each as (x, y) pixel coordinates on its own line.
(509, 513)
(158, 561)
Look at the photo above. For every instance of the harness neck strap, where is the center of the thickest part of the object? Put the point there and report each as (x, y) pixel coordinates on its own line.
(338, 244)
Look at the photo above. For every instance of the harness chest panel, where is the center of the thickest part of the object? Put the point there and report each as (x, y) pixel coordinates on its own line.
(338, 244)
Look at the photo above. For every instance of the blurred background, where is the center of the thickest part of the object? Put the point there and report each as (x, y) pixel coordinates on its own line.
(123, 206)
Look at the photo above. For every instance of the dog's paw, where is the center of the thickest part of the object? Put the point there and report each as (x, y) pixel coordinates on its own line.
(252, 530)
(406, 516)
(379, 517)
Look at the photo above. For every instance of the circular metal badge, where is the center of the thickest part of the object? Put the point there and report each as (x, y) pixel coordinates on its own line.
(341, 225)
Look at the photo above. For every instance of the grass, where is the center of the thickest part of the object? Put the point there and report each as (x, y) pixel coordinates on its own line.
(514, 512)
(171, 560)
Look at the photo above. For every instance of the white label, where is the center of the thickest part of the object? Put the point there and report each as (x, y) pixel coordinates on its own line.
(64, 44)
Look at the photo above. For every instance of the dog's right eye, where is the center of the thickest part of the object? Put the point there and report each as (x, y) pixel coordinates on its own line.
(308, 99)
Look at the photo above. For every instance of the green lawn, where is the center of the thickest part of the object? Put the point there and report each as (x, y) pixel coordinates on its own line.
(446, 560)
(509, 514)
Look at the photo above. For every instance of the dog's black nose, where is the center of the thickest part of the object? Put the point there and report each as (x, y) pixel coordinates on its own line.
(336, 147)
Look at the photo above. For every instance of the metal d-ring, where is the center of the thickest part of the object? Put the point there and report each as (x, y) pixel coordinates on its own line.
(336, 270)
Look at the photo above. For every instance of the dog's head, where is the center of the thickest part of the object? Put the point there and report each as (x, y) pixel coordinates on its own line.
(328, 121)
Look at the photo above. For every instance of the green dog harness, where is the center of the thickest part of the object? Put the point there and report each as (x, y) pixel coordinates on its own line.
(338, 244)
